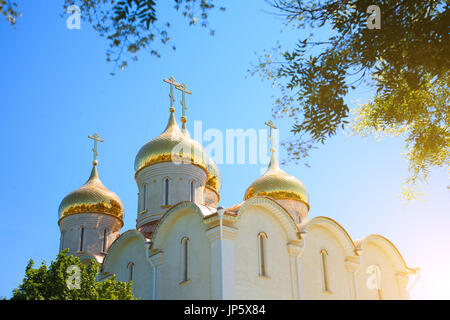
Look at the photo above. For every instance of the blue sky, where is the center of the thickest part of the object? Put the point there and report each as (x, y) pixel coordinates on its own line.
(55, 89)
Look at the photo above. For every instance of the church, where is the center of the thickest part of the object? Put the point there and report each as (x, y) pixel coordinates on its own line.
(185, 246)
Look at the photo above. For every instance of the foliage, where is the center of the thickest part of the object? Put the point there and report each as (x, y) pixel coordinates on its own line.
(128, 25)
(132, 25)
(50, 283)
(407, 58)
(9, 10)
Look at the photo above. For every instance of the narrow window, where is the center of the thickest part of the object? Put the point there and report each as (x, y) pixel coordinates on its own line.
(104, 241)
(61, 247)
(380, 297)
(144, 196)
(166, 192)
(323, 256)
(81, 238)
(131, 271)
(185, 259)
(377, 271)
(262, 254)
(192, 191)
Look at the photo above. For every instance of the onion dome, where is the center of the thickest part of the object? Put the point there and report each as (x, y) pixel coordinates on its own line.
(175, 145)
(214, 181)
(278, 185)
(92, 197)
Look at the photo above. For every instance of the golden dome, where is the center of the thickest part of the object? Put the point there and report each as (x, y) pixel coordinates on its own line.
(215, 177)
(92, 197)
(279, 185)
(176, 145)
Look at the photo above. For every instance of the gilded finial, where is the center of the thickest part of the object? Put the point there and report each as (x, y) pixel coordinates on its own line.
(183, 90)
(96, 138)
(271, 126)
(172, 83)
(273, 165)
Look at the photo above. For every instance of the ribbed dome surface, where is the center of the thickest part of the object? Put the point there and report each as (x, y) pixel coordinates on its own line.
(174, 145)
(92, 197)
(277, 184)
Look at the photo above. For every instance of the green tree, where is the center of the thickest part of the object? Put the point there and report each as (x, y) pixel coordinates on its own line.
(9, 10)
(57, 282)
(130, 26)
(406, 61)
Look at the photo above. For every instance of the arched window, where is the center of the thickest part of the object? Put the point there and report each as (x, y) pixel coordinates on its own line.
(166, 191)
(130, 271)
(323, 257)
(105, 234)
(61, 245)
(81, 238)
(374, 280)
(185, 259)
(144, 196)
(192, 191)
(380, 297)
(262, 238)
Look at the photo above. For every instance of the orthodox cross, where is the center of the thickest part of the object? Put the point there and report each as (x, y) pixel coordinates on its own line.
(172, 83)
(271, 126)
(96, 138)
(183, 89)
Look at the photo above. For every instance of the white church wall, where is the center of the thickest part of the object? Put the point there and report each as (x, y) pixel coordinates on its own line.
(249, 284)
(181, 223)
(337, 284)
(131, 248)
(377, 254)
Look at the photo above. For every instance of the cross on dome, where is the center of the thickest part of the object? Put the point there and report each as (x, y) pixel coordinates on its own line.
(96, 138)
(271, 126)
(183, 89)
(172, 83)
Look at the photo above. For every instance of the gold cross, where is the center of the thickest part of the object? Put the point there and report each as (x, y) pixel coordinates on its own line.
(183, 89)
(172, 83)
(271, 126)
(96, 138)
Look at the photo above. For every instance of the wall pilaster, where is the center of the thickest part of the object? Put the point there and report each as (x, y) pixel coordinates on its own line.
(222, 245)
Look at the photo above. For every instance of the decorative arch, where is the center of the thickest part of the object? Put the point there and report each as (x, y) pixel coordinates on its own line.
(162, 227)
(121, 242)
(336, 230)
(387, 247)
(276, 210)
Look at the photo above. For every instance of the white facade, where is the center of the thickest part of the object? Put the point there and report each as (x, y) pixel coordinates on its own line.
(224, 259)
(185, 247)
